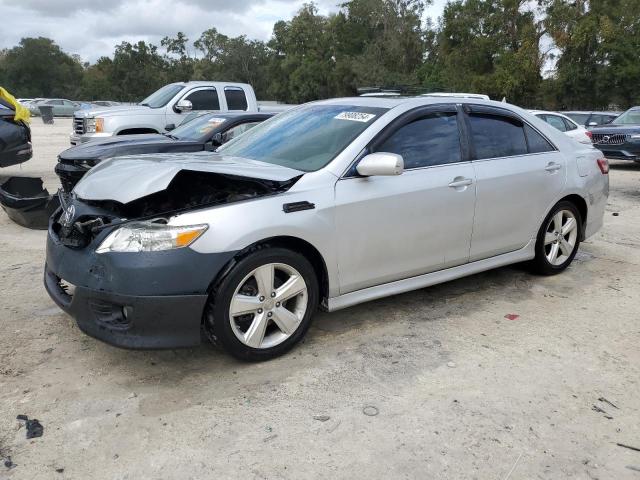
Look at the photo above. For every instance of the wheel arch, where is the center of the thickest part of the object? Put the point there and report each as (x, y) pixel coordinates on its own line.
(581, 205)
(292, 243)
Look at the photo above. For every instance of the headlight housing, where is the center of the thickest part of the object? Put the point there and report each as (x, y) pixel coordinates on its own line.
(150, 237)
(95, 125)
(634, 136)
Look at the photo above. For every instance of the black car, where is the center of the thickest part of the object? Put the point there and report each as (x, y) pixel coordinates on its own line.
(205, 132)
(15, 137)
(620, 140)
(591, 119)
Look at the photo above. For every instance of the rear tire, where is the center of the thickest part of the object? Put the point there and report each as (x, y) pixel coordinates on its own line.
(558, 239)
(264, 305)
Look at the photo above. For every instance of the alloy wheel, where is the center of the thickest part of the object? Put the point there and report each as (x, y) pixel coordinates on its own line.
(268, 305)
(560, 237)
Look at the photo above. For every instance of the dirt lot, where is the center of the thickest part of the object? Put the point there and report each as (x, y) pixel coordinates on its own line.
(457, 390)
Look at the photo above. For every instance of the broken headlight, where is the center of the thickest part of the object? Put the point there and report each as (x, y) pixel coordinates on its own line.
(150, 237)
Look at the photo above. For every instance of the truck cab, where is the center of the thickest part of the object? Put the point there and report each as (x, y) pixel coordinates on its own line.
(162, 110)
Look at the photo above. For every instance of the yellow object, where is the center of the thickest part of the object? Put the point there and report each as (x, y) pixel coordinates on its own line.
(99, 125)
(186, 238)
(22, 114)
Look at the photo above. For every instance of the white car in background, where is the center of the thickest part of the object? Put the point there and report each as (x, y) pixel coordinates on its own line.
(564, 124)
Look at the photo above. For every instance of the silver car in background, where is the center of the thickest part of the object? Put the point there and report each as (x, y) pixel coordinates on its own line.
(329, 204)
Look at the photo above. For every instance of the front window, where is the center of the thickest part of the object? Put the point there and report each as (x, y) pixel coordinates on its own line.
(630, 117)
(305, 138)
(198, 128)
(161, 97)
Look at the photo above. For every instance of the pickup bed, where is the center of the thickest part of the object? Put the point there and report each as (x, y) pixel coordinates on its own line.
(163, 110)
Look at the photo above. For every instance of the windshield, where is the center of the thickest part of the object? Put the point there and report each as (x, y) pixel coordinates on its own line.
(305, 138)
(198, 128)
(161, 97)
(630, 117)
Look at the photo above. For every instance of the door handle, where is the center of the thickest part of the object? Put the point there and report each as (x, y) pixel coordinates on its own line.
(461, 182)
(552, 167)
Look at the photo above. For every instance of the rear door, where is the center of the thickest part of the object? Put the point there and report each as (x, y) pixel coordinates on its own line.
(391, 228)
(519, 174)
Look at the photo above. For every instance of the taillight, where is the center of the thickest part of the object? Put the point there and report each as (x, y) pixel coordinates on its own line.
(589, 134)
(603, 164)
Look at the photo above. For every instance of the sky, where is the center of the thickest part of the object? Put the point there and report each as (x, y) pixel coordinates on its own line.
(92, 29)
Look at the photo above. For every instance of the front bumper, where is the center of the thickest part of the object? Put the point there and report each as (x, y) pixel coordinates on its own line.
(626, 151)
(77, 139)
(133, 300)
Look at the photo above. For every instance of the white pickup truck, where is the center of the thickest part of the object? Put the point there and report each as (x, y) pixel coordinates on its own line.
(162, 110)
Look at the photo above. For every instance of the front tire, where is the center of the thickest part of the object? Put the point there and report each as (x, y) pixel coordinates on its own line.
(558, 239)
(264, 305)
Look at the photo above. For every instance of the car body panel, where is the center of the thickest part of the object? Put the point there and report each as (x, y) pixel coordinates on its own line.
(619, 141)
(389, 228)
(563, 123)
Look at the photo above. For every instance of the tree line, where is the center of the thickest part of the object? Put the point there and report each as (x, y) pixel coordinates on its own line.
(552, 54)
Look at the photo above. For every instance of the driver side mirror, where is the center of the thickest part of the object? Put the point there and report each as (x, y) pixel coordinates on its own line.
(217, 139)
(184, 106)
(381, 164)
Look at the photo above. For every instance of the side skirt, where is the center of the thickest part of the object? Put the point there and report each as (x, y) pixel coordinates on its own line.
(426, 280)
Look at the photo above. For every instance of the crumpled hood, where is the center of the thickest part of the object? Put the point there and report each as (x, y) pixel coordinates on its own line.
(125, 179)
(118, 110)
(128, 145)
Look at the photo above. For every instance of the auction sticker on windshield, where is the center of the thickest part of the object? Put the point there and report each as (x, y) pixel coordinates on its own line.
(355, 116)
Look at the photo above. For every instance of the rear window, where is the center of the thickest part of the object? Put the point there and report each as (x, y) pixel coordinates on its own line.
(236, 98)
(495, 136)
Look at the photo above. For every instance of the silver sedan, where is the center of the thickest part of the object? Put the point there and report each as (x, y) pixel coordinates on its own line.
(327, 205)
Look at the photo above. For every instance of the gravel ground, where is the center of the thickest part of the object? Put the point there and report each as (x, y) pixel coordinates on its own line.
(436, 383)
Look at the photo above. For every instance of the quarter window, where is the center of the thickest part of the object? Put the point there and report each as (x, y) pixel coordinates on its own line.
(555, 122)
(432, 140)
(236, 99)
(204, 99)
(495, 136)
(570, 126)
(537, 143)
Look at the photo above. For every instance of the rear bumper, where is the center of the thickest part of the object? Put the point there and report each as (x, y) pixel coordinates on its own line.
(143, 300)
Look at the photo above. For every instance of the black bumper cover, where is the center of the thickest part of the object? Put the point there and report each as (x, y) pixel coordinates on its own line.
(27, 202)
(146, 300)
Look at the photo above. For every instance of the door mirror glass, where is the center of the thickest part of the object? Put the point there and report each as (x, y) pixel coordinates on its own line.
(184, 106)
(381, 163)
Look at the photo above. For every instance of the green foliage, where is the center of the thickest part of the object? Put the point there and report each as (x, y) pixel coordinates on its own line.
(37, 67)
(588, 49)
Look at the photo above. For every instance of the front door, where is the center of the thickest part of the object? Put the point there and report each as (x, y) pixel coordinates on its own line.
(391, 228)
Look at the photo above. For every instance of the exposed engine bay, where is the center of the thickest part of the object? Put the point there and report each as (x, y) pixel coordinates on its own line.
(79, 221)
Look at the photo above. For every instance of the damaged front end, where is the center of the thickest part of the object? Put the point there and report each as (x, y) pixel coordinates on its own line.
(115, 265)
(80, 220)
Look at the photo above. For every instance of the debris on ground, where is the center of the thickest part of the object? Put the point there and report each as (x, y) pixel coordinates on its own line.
(628, 446)
(34, 427)
(321, 418)
(604, 400)
(9, 464)
(512, 316)
(615, 214)
(370, 411)
(451, 364)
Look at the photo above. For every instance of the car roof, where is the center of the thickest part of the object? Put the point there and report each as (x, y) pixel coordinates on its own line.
(392, 102)
(587, 112)
(196, 83)
(234, 115)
